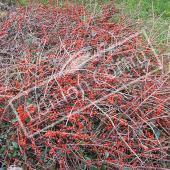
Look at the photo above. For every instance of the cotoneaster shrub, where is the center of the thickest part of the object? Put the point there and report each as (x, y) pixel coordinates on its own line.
(69, 100)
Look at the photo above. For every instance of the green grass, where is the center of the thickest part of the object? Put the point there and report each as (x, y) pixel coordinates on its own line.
(160, 6)
(154, 15)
